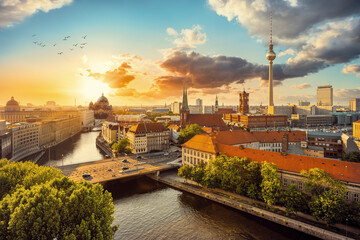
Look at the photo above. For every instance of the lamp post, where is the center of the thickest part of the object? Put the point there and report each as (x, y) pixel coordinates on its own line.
(346, 227)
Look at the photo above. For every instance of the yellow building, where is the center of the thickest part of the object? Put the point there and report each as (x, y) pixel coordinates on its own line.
(356, 129)
(110, 131)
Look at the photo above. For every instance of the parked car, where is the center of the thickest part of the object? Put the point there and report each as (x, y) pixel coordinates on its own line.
(177, 150)
(86, 175)
(166, 154)
(125, 160)
(110, 170)
(125, 168)
(139, 157)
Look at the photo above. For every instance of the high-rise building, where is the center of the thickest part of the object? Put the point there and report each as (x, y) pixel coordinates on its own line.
(354, 104)
(304, 103)
(244, 102)
(271, 57)
(199, 102)
(325, 95)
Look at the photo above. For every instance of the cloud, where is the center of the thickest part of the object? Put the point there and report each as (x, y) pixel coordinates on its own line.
(187, 38)
(116, 78)
(291, 19)
(301, 86)
(203, 71)
(287, 52)
(354, 68)
(14, 11)
(324, 33)
(345, 94)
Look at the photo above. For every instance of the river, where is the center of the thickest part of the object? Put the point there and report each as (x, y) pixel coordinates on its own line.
(146, 209)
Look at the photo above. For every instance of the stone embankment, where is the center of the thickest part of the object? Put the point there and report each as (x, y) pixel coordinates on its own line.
(282, 220)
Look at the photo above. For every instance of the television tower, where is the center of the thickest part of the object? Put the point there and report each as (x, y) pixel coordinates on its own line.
(270, 56)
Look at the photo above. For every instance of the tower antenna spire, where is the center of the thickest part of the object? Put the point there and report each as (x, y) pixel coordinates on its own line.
(271, 27)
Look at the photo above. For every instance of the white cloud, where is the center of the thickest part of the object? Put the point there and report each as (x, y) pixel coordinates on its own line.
(347, 93)
(301, 86)
(289, 51)
(354, 68)
(188, 38)
(14, 11)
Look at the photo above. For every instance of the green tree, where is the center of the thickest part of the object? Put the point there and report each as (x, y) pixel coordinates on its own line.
(190, 131)
(327, 195)
(123, 146)
(197, 173)
(49, 205)
(294, 200)
(352, 157)
(271, 185)
(185, 171)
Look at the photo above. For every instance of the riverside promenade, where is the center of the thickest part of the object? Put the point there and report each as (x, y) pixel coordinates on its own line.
(243, 204)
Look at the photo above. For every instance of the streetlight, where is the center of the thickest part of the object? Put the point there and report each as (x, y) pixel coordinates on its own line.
(346, 227)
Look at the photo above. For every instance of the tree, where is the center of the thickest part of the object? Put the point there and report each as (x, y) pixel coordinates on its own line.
(327, 195)
(197, 173)
(52, 206)
(352, 157)
(185, 171)
(122, 146)
(271, 185)
(190, 131)
(294, 200)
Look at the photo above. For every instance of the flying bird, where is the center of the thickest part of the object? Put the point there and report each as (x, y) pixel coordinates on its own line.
(33, 35)
(83, 44)
(35, 42)
(75, 45)
(71, 49)
(43, 45)
(54, 44)
(84, 36)
(65, 39)
(60, 53)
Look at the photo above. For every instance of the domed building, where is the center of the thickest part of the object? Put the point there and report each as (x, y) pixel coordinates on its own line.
(101, 107)
(12, 106)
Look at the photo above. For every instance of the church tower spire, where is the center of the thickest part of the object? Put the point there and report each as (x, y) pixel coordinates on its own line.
(185, 111)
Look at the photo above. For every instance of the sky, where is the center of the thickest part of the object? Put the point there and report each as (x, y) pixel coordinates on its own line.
(140, 52)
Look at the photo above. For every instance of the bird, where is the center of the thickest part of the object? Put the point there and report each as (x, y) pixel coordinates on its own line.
(81, 46)
(33, 35)
(43, 45)
(67, 36)
(65, 39)
(84, 36)
(35, 42)
(60, 53)
(75, 45)
(54, 44)
(71, 49)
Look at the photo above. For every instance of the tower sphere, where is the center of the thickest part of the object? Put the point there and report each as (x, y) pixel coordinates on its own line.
(270, 55)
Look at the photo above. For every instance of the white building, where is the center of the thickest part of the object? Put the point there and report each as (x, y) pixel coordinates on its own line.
(25, 139)
(87, 118)
(175, 107)
(324, 95)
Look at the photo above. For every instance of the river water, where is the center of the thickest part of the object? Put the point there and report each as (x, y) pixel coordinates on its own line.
(146, 209)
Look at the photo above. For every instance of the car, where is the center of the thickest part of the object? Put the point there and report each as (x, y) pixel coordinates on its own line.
(177, 150)
(125, 168)
(179, 156)
(125, 160)
(139, 157)
(166, 154)
(107, 156)
(86, 175)
(110, 170)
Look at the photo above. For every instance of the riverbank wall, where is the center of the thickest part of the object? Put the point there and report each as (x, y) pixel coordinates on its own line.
(270, 216)
(104, 147)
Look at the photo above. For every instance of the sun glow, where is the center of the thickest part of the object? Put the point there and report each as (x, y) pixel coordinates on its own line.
(92, 88)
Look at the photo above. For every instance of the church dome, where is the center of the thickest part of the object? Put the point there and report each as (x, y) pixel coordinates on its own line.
(12, 102)
(103, 99)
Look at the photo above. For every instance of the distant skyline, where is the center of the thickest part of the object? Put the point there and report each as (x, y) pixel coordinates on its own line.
(141, 52)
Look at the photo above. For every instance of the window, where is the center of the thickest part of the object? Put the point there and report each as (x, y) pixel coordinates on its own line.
(347, 195)
(356, 197)
(300, 185)
(285, 182)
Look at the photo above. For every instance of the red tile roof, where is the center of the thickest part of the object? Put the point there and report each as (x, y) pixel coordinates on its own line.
(241, 136)
(202, 142)
(146, 127)
(205, 120)
(225, 111)
(346, 171)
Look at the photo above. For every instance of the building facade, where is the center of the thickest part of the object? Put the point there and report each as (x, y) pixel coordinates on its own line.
(257, 121)
(110, 131)
(354, 104)
(146, 137)
(330, 142)
(201, 149)
(25, 140)
(5, 141)
(324, 96)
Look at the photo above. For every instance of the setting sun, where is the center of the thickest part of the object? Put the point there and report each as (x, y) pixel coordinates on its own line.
(93, 88)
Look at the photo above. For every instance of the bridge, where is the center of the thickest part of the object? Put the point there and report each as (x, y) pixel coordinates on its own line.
(113, 169)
